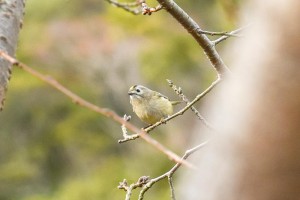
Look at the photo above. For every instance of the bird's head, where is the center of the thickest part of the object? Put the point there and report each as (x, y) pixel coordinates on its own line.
(139, 92)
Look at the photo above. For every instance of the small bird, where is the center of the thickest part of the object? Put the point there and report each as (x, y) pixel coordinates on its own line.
(150, 106)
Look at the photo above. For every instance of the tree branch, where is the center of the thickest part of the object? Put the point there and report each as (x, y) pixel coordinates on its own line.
(194, 29)
(103, 111)
(224, 37)
(180, 112)
(179, 92)
(170, 181)
(131, 7)
(140, 183)
(224, 33)
(170, 173)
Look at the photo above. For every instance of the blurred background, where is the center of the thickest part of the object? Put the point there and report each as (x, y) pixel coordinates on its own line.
(53, 149)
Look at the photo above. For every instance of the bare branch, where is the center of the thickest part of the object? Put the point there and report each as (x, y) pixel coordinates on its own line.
(127, 4)
(128, 138)
(180, 112)
(132, 7)
(170, 180)
(140, 183)
(179, 92)
(103, 111)
(198, 97)
(193, 28)
(224, 37)
(224, 33)
(170, 173)
(123, 127)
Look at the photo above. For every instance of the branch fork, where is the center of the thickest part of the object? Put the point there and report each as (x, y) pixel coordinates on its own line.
(146, 183)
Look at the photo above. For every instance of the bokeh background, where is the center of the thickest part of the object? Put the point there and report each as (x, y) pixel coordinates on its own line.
(51, 148)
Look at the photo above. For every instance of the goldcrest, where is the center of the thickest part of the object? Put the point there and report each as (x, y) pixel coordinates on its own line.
(150, 106)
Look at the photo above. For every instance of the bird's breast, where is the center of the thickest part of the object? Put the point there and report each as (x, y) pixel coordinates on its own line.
(152, 111)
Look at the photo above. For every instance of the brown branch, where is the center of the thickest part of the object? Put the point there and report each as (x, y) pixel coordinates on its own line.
(103, 111)
(180, 112)
(193, 28)
(169, 174)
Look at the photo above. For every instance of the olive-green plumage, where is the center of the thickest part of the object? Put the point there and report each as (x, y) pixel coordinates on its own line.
(150, 106)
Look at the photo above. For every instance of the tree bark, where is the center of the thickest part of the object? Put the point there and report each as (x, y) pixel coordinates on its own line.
(255, 155)
(11, 15)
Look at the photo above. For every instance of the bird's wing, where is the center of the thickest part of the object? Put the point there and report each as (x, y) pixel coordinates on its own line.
(161, 95)
(172, 102)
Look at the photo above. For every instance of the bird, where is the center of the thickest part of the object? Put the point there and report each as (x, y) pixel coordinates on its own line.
(150, 106)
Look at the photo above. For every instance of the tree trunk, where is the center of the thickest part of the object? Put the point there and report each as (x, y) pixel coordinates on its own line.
(11, 15)
(256, 153)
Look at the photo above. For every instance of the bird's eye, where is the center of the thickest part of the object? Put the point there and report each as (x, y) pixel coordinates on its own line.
(138, 90)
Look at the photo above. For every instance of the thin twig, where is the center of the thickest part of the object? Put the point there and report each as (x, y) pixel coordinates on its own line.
(128, 138)
(103, 111)
(170, 173)
(224, 33)
(180, 112)
(224, 37)
(131, 7)
(123, 127)
(183, 110)
(179, 92)
(140, 183)
(128, 4)
(170, 180)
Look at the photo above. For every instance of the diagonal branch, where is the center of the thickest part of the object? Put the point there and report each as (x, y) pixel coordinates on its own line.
(170, 173)
(179, 92)
(198, 97)
(103, 111)
(193, 28)
(180, 112)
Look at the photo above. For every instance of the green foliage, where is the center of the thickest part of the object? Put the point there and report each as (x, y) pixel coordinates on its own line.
(51, 148)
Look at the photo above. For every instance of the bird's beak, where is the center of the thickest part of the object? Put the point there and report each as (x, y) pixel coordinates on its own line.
(131, 92)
